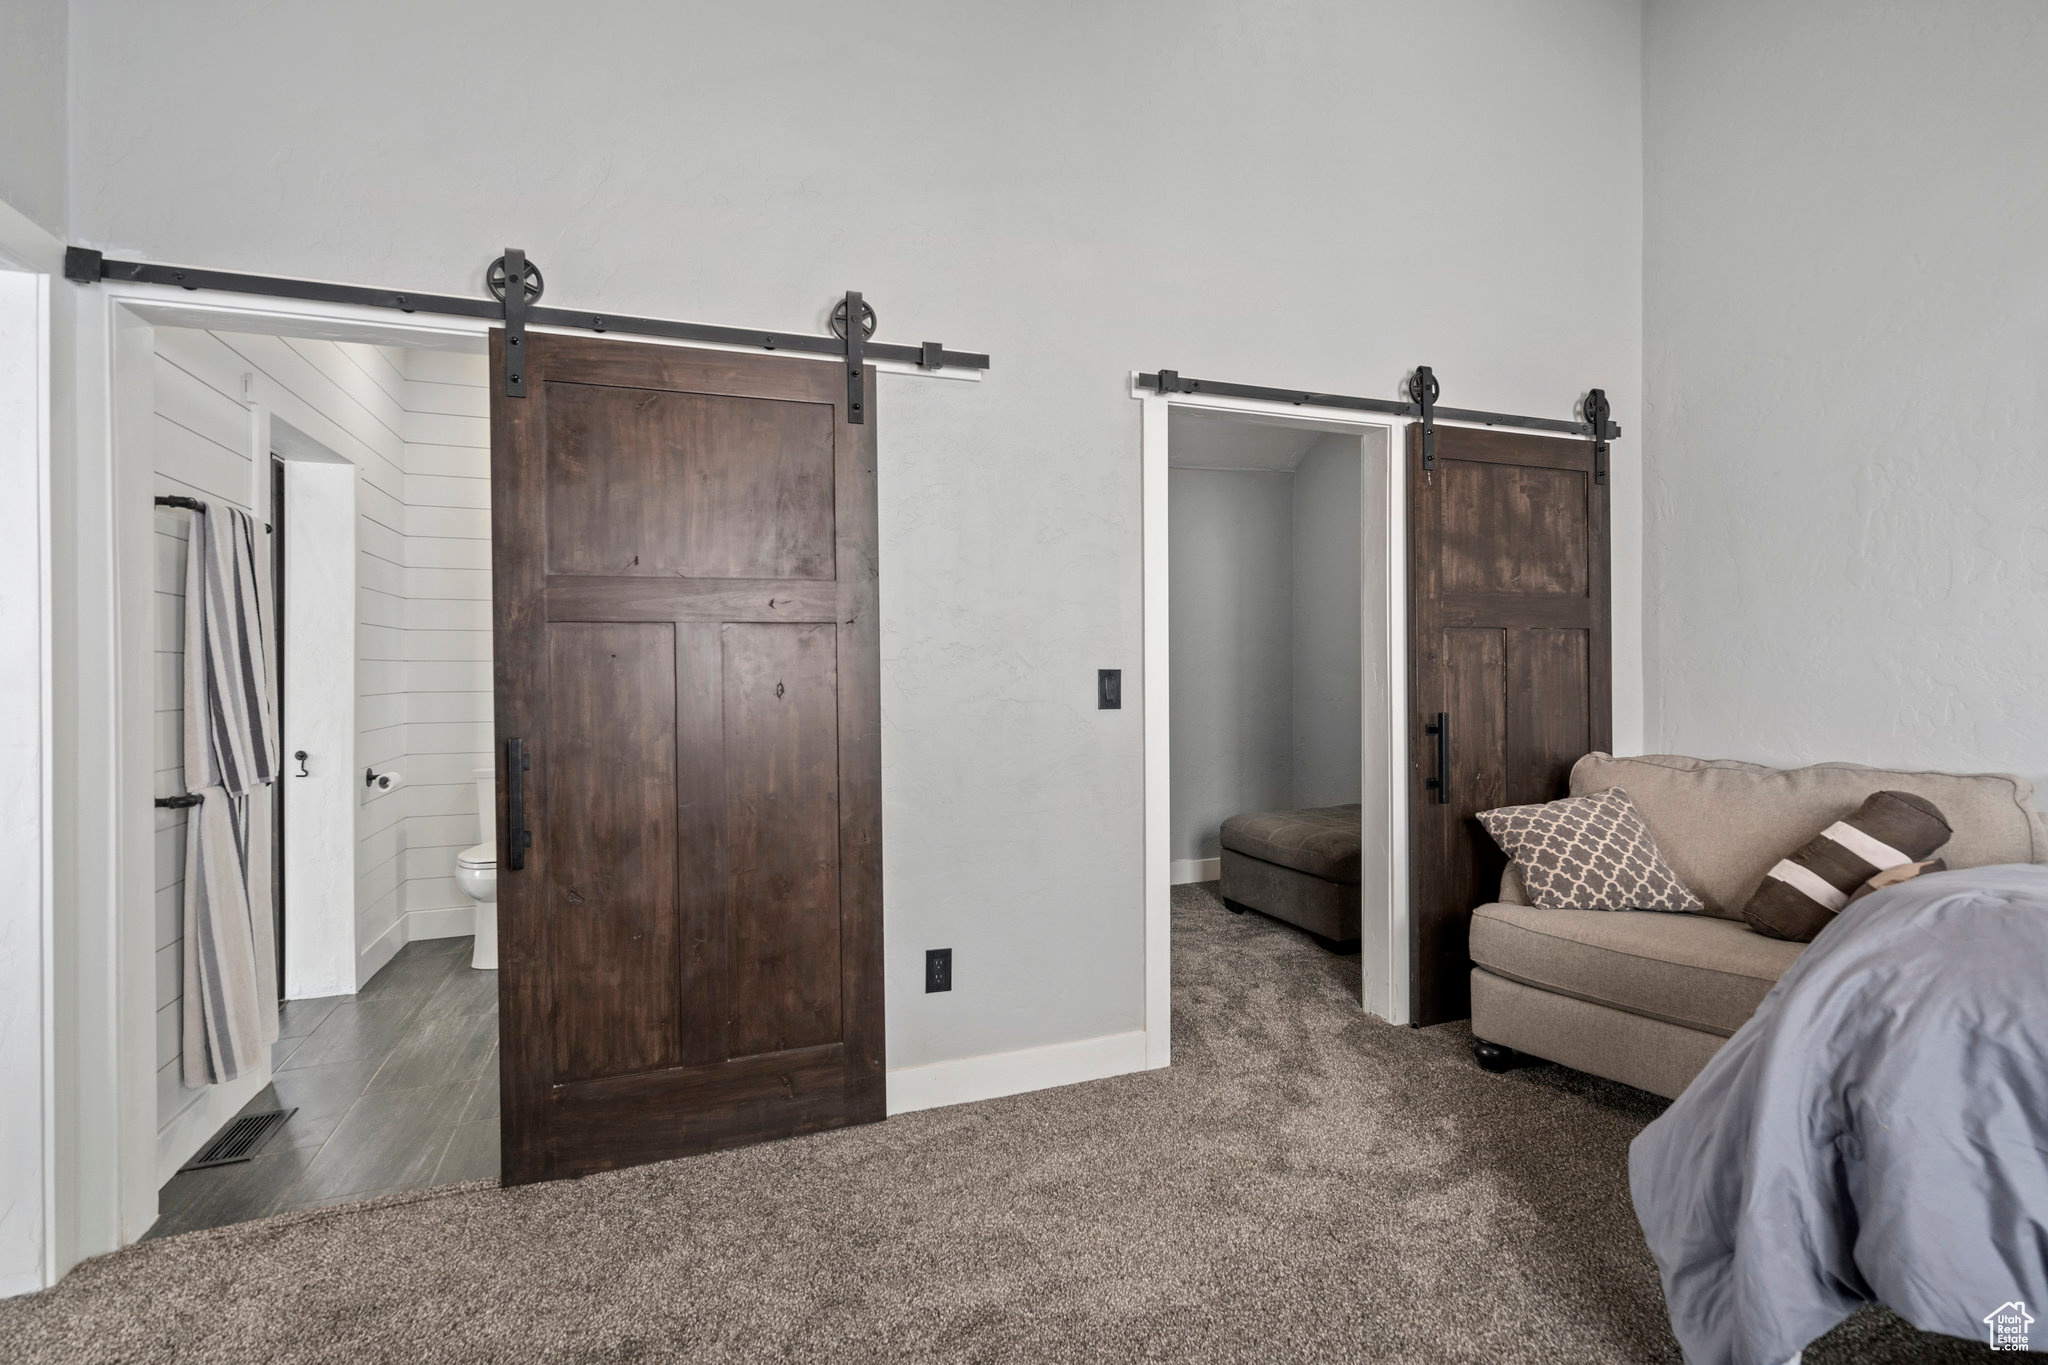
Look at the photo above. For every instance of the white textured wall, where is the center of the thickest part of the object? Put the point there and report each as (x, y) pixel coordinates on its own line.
(1081, 191)
(1847, 311)
(1326, 606)
(32, 109)
(1230, 653)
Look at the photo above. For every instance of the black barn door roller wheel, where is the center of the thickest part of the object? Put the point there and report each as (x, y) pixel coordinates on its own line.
(867, 319)
(513, 265)
(494, 280)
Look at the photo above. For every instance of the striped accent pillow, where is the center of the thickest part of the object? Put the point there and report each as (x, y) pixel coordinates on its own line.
(1803, 893)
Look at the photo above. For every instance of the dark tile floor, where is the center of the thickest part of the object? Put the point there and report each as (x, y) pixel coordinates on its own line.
(396, 1089)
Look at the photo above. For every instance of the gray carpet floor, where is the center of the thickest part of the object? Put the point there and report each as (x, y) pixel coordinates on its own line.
(1303, 1184)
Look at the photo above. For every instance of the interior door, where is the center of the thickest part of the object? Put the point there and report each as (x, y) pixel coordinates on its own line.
(1509, 654)
(688, 721)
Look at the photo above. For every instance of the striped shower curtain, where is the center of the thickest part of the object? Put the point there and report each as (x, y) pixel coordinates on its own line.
(230, 755)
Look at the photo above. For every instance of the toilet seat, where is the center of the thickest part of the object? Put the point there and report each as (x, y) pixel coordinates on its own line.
(481, 858)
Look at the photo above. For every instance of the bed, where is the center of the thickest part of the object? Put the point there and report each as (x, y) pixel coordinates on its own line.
(1877, 1132)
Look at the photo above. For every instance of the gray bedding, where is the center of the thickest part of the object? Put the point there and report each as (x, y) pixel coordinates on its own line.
(1877, 1131)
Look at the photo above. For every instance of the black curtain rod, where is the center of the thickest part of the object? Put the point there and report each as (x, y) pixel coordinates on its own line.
(82, 265)
(1170, 381)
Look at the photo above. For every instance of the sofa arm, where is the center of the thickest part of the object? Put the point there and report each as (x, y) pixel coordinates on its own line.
(1511, 891)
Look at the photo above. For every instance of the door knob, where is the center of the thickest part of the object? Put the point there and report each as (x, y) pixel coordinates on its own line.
(301, 757)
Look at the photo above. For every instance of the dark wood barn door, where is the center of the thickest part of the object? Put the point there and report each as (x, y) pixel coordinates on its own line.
(686, 654)
(1508, 643)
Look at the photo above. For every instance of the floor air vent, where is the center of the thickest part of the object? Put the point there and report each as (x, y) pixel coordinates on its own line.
(236, 1141)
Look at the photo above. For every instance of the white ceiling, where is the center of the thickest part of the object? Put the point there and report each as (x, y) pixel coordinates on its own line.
(1212, 440)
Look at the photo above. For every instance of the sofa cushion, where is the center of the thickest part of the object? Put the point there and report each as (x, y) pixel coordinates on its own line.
(1692, 970)
(1322, 842)
(1587, 853)
(1722, 824)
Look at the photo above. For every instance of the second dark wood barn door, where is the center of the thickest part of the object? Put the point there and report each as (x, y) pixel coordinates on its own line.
(686, 650)
(1509, 643)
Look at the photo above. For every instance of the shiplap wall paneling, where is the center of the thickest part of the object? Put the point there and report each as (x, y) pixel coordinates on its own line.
(448, 615)
(200, 439)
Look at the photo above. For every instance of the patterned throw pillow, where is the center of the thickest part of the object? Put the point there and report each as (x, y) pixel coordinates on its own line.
(1802, 894)
(1588, 853)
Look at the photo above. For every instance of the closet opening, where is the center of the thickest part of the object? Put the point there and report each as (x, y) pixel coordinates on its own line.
(1274, 692)
(1266, 581)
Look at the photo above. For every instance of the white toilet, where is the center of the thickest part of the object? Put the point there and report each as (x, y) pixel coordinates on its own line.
(476, 871)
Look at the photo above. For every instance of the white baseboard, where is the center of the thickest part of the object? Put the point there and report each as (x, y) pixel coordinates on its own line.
(451, 921)
(1012, 1073)
(184, 1135)
(380, 950)
(21, 1282)
(1187, 870)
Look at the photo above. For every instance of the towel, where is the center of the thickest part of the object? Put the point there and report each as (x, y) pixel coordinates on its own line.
(230, 755)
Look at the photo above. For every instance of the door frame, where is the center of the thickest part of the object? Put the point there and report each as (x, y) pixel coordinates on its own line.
(34, 389)
(321, 956)
(1383, 683)
(110, 1195)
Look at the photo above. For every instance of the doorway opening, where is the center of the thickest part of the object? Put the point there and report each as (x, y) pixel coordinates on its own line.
(1266, 582)
(1275, 672)
(371, 466)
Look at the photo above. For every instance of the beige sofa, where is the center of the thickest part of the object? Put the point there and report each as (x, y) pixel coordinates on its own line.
(1646, 997)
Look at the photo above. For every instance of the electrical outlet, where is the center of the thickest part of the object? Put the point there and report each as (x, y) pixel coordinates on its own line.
(938, 969)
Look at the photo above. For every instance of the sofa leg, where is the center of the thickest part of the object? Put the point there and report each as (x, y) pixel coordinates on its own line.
(1493, 1057)
(1233, 907)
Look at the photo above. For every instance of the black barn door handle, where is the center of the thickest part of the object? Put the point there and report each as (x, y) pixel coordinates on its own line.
(517, 837)
(1441, 783)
